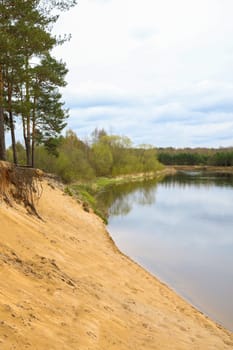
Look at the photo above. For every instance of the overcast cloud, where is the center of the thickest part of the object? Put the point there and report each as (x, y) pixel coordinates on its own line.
(158, 71)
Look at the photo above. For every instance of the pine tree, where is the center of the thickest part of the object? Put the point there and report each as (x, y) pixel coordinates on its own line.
(25, 37)
(48, 112)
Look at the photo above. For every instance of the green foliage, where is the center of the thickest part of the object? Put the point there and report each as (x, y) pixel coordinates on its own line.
(86, 193)
(74, 160)
(102, 182)
(86, 196)
(66, 157)
(110, 155)
(199, 156)
(102, 158)
(222, 158)
(51, 145)
(114, 155)
(20, 151)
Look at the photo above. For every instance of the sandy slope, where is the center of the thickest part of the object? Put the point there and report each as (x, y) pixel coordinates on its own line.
(64, 285)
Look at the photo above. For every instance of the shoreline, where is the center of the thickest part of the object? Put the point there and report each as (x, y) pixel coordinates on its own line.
(208, 168)
(66, 285)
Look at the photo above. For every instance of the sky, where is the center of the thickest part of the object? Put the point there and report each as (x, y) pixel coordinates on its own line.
(157, 71)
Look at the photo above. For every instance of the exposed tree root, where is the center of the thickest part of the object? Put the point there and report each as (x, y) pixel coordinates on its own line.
(21, 185)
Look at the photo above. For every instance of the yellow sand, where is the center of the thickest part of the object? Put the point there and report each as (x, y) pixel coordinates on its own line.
(64, 285)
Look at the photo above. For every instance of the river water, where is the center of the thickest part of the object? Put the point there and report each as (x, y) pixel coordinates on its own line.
(181, 230)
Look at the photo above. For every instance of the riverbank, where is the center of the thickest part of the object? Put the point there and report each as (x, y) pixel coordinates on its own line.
(65, 285)
(87, 192)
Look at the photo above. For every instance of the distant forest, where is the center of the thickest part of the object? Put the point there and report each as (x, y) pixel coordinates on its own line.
(196, 156)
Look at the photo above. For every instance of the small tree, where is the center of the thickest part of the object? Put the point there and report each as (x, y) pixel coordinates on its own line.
(102, 159)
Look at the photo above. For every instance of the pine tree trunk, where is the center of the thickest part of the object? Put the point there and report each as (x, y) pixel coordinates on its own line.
(33, 142)
(28, 150)
(26, 142)
(33, 153)
(12, 127)
(28, 119)
(33, 131)
(2, 136)
(2, 131)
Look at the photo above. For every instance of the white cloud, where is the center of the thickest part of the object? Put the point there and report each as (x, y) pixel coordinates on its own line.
(159, 71)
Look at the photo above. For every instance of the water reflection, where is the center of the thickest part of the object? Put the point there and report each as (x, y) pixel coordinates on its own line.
(181, 230)
(120, 199)
(199, 178)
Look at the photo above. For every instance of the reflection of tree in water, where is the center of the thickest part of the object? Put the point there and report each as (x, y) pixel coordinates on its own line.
(121, 206)
(119, 199)
(198, 179)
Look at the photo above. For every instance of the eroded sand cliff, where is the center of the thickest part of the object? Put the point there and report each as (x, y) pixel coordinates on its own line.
(64, 285)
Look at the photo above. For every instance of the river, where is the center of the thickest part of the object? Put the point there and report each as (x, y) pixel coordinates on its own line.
(181, 230)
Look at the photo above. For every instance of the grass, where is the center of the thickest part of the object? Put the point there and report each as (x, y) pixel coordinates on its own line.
(86, 192)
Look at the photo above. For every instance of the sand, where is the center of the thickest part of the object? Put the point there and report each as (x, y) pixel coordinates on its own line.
(65, 285)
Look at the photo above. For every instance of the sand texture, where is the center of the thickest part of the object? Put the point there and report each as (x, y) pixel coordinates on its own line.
(64, 285)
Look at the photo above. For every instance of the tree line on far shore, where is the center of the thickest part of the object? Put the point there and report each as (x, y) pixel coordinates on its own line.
(196, 156)
(102, 155)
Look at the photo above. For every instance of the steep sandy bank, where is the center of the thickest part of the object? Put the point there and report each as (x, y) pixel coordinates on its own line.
(64, 285)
